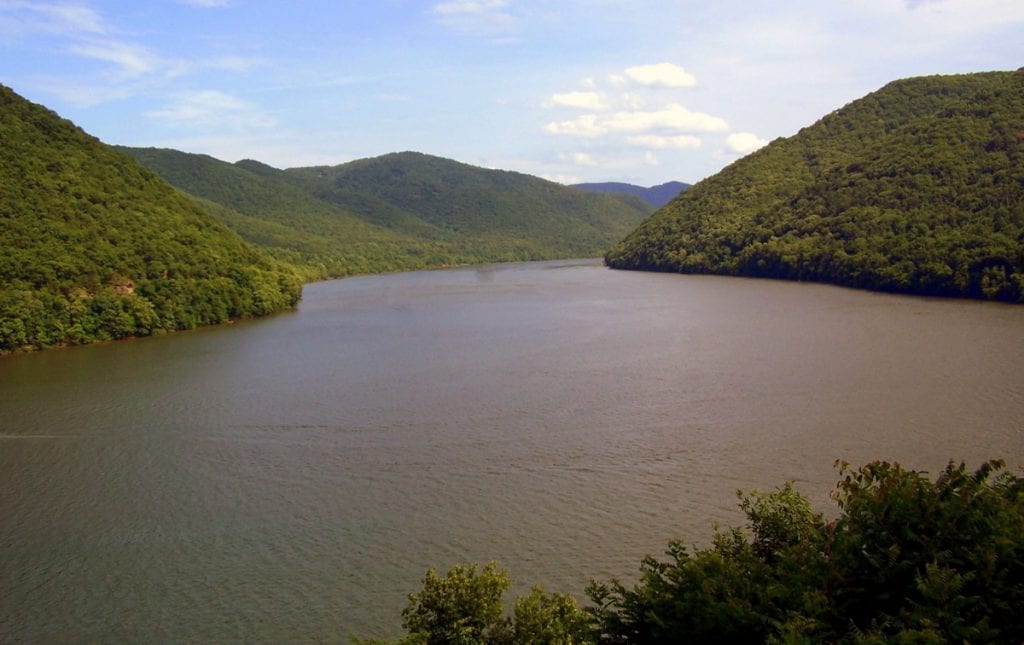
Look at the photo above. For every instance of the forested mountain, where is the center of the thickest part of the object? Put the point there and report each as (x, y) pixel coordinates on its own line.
(94, 246)
(917, 187)
(266, 207)
(398, 211)
(656, 196)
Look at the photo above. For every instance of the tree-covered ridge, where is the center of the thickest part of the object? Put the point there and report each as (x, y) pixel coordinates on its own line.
(396, 212)
(916, 188)
(474, 204)
(266, 207)
(94, 246)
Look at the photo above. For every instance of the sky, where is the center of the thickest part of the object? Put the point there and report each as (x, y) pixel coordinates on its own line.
(642, 92)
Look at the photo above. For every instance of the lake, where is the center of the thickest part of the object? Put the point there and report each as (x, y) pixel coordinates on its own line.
(294, 477)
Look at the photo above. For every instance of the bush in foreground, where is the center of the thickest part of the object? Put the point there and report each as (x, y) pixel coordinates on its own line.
(907, 560)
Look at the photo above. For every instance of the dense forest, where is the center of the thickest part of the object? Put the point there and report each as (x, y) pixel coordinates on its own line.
(907, 559)
(916, 188)
(398, 211)
(96, 247)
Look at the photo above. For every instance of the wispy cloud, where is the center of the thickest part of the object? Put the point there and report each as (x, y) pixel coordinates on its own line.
(22, 19)
(212, 108)
(679, 142)
(582, 100)
(667, 75)
(583, 159)
(673, 117)
(132, 60)
(487, 18)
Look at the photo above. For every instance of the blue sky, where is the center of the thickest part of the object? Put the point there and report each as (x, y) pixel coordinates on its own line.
(577, 90)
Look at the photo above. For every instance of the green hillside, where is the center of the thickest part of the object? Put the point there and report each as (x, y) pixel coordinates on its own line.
(266, 207)
(399, 211)
(915, 188)
(94, 246)
(480, 206)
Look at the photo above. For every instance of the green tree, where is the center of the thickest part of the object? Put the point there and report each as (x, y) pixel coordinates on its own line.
(462, 607)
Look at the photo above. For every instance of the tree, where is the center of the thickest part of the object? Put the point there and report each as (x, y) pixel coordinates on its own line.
(462, 607)
(465, 607)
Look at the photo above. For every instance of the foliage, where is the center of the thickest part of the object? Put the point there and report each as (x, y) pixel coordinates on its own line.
(397, 212)
(465, 607)
(95, 247)
(907, 559)
(916, 188)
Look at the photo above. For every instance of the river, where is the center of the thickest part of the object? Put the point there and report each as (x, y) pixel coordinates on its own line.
(293, 477)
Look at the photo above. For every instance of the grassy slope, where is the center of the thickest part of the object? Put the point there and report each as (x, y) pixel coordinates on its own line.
(918, 187)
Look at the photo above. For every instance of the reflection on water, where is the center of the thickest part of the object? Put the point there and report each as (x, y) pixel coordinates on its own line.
(294, 477)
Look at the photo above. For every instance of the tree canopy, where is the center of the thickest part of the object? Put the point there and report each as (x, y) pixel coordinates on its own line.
(915, 188)
(96, 247)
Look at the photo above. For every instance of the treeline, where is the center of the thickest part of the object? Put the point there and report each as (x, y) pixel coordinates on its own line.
(907, 559)
(915, 188)
(96, 247)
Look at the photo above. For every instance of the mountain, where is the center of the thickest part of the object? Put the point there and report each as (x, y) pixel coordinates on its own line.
(398, 211)
(916, 188)
(479, 204)
(95, 247)
(266, 207)
(656, 196)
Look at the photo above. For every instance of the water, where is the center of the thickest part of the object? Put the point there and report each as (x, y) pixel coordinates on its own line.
(294, 477)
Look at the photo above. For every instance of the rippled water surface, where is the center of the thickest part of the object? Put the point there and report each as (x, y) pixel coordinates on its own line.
(294, 477)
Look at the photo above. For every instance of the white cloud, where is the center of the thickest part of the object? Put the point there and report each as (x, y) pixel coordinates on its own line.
(660, 75)
(680, 142)
(650, 159)
(134, 60)
(632, 101)
(212, 108)
(583, 126)
(744, 142)
(582, 100)
(672, 117)
(583, 159)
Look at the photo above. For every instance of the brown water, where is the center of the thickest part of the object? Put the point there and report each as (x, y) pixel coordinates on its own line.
(293, 477)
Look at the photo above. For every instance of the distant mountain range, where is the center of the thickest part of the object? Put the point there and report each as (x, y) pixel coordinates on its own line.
(656, 196)
(915, 188)
(398, 211)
